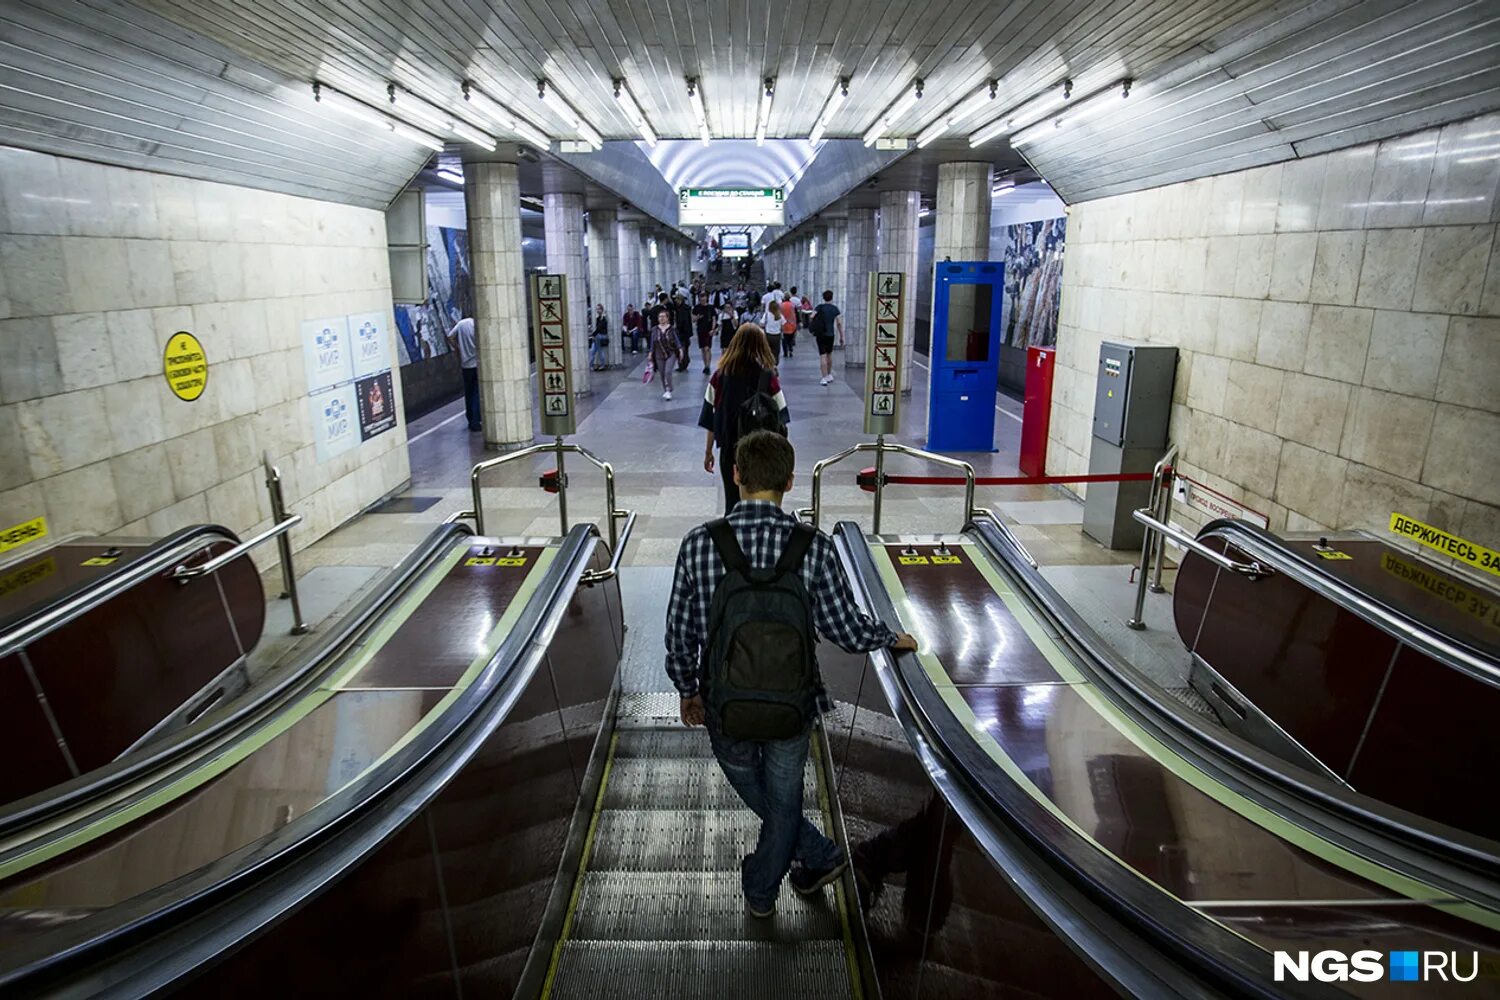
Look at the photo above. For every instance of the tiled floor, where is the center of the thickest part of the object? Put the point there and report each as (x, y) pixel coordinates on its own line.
(656, 450)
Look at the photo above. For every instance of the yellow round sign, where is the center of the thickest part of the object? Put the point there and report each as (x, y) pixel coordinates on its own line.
(185, 366)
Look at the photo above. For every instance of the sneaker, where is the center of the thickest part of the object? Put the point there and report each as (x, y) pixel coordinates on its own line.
(810, 881)
(705, 369)
(667, 394)
(765, 914)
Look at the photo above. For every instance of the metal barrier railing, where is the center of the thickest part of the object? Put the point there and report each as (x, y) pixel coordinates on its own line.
(1161, 531)
(183, 574)
(284, 545)
(617, 538)
(881, 448)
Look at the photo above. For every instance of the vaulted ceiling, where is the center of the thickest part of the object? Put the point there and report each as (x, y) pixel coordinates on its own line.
(222, 88)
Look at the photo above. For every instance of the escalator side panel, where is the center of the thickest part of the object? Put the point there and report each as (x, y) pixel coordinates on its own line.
(30, 757)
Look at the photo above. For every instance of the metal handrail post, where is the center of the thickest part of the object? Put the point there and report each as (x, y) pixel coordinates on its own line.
(1165, 516)
(562, 486)
(284, 548)
(183, 574)
(879, 478)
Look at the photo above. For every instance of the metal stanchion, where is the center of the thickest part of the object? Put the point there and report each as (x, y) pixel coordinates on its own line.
(1166, 479)
(562, 487)
(879, 478)
(284, 546)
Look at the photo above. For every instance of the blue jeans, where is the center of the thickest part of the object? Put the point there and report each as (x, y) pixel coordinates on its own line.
(596, 353)
(768, 777)
(471, 397)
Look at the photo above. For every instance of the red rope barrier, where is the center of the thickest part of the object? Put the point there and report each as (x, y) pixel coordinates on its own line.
(866, 477)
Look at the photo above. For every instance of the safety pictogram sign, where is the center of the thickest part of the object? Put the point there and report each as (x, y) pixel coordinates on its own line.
(554, 373)
(883, 358)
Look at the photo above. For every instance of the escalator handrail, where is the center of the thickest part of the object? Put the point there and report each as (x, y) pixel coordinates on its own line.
(160, 937)
(30, 624)
(1446, 857)
(1119, 926)
(228, 718)
(1266, 547)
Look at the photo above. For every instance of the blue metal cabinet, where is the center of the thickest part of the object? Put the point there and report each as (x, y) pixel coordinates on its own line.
(965, 355)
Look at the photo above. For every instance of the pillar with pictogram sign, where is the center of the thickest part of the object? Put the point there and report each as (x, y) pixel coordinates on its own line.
(554, 376)
(887, 312)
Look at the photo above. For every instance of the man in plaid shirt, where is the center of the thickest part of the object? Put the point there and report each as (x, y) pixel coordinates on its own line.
(766, 774)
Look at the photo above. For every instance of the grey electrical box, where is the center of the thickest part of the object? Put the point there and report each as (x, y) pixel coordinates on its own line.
(1132, 406)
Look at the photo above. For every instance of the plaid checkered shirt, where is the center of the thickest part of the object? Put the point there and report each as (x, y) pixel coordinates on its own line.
(762, 529)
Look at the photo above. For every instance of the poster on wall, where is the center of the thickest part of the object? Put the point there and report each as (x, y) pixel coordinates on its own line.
(367, 332)
(334, 420)
(377, 404)
(422, 329)
(325, 352)
(351, 396)
(1033, 254)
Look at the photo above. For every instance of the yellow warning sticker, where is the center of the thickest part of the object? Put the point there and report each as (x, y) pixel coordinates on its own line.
(18, 535)
(1333, 554)
(480, 561)
(185, 366)
(1476, 603)
(100, 561)
(511, 561)
(25, 576)
(913, 560)
(1467, 552)
(946, 560)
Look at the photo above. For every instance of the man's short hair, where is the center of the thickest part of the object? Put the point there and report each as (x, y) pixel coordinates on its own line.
(764, 460)
(828, 295)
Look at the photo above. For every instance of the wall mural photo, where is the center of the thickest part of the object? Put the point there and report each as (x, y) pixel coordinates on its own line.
(423, 328)
(1033, 280)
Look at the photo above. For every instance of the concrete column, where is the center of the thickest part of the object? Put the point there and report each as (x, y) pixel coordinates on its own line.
(899, 217)
(962, 226)
(562, 219)
(835, 266)
(492, 195)
(604, 274)
(629, 267)
(860, 260)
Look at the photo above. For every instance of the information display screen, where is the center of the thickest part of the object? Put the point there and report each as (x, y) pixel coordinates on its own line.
(731, 207)
(734, 244)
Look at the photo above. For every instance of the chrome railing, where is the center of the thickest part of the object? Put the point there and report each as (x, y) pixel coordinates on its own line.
(284, 545)
(1160, 529)
(183, 574)
(881, 448)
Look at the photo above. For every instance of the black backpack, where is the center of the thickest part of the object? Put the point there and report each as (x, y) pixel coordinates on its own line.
(819, 323)
(759, 666)
(759, 411)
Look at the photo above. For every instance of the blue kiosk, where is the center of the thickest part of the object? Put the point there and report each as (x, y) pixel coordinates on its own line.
(965, 354)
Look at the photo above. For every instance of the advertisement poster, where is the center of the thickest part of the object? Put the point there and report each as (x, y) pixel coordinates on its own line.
(421, 329)
(377, 404)
(325, 352)
(335, 421)
(367, 336)
(1033, 254)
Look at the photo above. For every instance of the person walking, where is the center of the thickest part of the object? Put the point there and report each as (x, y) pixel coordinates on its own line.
(826, 320)
(682, 318)
(769, 321)
(704, 315)
(632, 325)
(745, 666)
(599, 341)
(461, 339)
(788, 309)
(666, 350)
(742, 395)
(728, 324)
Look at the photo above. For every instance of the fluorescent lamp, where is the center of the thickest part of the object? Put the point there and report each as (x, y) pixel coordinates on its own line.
(333, 100)
(767, 95)
(634, 113)
(550, 97)
(1104, 100)
(1023, 113)
(902, 105)
(469, 133)
(449, 174)
(695, 98)
(1002, 187)
(507, 119)
(412, 106)
(834, 100)
(968, 106)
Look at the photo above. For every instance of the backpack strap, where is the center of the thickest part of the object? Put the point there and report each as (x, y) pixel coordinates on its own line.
(763, 382)
(797, 544)
(730, 552)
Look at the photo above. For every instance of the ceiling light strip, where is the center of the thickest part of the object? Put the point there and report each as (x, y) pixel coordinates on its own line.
(966, 108)
(1024, 113)
(837, 98)
(564, 110)
(491, 109)
(634, 114)
(432, 116)
(763, 116)
(334, 100)
(1105, 100)
(695, 98)
(902, 105)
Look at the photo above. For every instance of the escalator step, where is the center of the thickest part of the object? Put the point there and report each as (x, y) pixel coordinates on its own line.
(726, 970)
(676, 742)
(693, 906)
(674, 840)
(684, 783)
